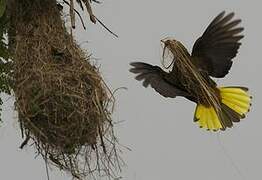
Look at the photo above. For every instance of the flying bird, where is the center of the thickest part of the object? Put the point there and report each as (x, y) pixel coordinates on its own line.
(190, 75)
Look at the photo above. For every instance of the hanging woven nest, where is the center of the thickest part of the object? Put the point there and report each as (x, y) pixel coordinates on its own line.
(62, 103)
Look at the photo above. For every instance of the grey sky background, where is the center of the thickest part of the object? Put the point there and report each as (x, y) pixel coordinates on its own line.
(165, 142)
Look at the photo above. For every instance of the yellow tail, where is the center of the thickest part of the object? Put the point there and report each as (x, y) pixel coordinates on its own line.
(235, 103)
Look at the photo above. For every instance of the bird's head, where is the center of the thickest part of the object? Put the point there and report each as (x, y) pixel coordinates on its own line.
(168, 41)
(172, 45)
(173, 50)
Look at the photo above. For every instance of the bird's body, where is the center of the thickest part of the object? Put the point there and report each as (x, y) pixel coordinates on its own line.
(185, 75)
(190, 77)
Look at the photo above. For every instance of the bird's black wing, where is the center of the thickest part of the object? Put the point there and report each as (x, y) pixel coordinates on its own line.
(155, 76)
(218, 45)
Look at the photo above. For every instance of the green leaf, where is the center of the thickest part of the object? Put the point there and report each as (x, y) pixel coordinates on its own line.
(3, 32)
(2, 7)
(5, 62)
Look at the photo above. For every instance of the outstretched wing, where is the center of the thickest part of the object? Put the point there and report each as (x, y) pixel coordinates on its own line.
(155, 76)
(218, 45)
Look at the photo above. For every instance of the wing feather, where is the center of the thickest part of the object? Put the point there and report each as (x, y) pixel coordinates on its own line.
(155, 77)
(219, 44)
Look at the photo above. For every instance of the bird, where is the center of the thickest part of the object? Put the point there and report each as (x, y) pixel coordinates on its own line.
(192, 75)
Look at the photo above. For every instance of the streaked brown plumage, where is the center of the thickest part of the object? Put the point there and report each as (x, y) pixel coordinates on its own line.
(190, 76)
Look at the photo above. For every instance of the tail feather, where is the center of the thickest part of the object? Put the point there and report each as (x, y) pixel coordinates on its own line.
(226, 120)
(236, 99)
(235, 103)
(207, 118)
(231, 114)
(241, 104)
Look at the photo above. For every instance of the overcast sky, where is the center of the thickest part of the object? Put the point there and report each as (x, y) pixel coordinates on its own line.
(165, 142)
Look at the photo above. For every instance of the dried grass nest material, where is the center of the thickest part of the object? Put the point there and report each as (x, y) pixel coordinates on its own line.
(62, 102)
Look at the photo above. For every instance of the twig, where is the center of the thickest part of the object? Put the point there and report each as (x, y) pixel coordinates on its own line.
(46, 168)
(89, 10)
(100, 22)
(25, 142)
(72, 14)
(81, 19)
(98, 2)
(93, 18)
(80, 4)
